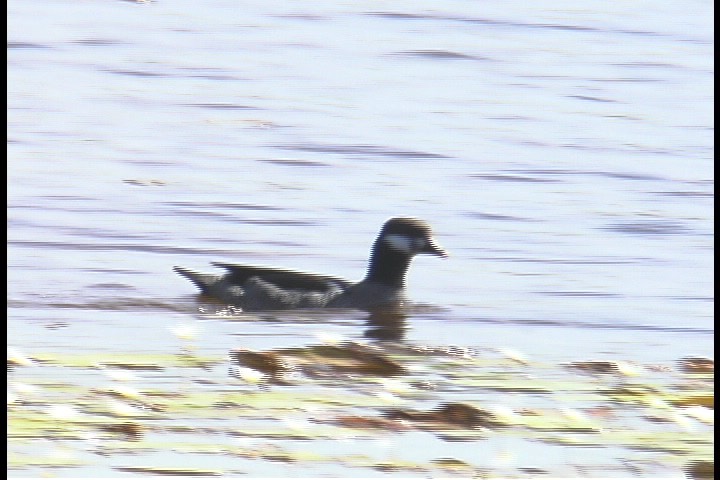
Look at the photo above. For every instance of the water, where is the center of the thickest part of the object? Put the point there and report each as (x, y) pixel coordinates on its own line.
(562, 153)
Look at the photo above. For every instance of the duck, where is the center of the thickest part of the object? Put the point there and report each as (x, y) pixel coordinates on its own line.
(257, 287)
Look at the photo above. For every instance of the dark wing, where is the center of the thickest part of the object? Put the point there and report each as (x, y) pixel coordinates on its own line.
(282, 277)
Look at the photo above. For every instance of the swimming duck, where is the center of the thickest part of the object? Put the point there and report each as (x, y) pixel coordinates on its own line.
(251, 287)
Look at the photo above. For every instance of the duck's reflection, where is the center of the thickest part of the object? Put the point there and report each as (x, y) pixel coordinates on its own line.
(388, 324)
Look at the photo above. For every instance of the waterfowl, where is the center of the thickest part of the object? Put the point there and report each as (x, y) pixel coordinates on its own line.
(252, 287)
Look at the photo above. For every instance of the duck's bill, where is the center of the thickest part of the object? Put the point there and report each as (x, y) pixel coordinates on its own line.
(432, 248)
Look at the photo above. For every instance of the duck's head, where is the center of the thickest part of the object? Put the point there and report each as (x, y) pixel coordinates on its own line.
(410, 236)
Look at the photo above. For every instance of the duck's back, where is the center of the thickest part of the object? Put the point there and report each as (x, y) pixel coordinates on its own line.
(253, 287)
(282, 277)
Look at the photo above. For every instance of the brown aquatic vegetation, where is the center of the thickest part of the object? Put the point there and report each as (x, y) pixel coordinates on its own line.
(450, 415)
(696, 365)
(320, 360)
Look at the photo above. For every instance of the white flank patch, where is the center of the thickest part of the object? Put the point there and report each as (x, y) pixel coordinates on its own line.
(400, 243)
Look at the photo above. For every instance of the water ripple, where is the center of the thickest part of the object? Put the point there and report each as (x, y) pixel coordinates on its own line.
(224, 205)
(27, 45)
(512, 178)
(648, 227)
(495, 216)
(360, 150)
(528, 25)
(589, 325)
(293, 162)
(438, 55)
(220, 106)
(165, 249)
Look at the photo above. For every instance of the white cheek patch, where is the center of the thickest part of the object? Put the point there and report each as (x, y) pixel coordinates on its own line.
(404, 244)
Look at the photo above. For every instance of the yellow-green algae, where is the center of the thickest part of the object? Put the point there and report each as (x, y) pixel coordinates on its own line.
(667, 411)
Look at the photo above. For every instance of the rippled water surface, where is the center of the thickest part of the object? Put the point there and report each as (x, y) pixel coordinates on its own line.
(561, 151)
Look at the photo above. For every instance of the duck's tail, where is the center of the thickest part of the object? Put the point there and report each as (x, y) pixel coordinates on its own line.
(204, 281)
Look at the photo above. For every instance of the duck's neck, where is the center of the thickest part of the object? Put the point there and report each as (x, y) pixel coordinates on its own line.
(387, 266)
